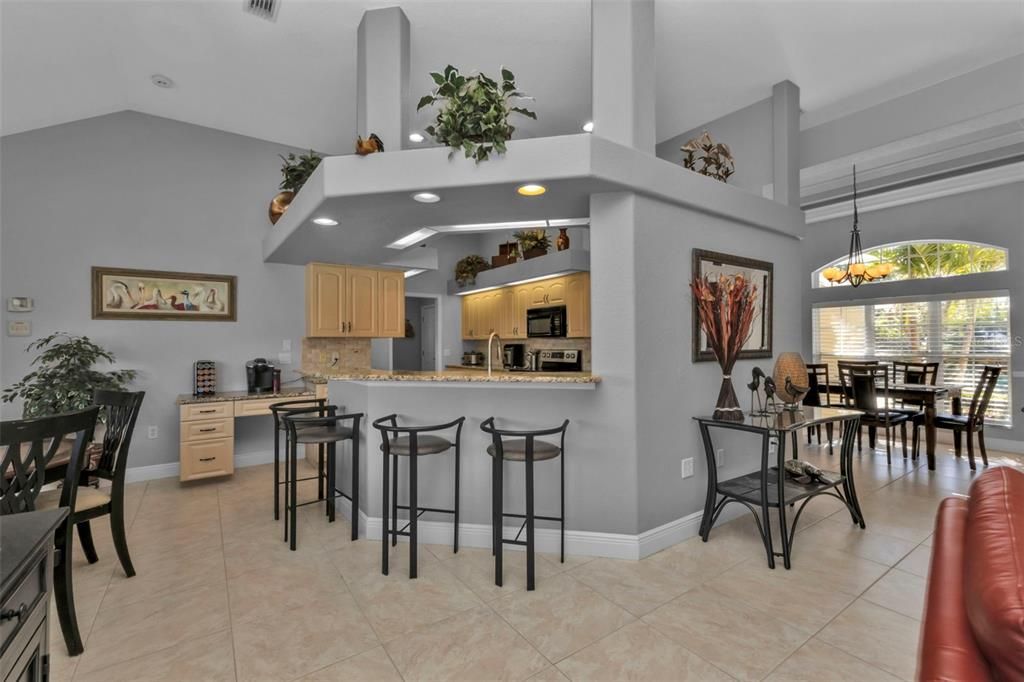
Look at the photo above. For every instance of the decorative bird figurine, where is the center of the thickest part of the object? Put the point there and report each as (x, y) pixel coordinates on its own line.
(769, 393)
(794, 392)
(755, 384)
(370, 145)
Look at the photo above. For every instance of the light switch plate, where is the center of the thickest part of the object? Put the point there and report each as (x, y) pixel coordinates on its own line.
(284, 358)
(19, 328)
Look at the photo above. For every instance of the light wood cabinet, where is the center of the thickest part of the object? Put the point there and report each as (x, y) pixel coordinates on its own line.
(344, 301)
(577, 304)
(391, 309)
(504, 310)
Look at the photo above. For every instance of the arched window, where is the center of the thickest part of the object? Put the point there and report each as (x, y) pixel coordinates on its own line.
(926, 260)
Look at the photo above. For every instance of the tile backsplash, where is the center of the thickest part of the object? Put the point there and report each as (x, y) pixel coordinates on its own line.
(582, 344)
(317, 354)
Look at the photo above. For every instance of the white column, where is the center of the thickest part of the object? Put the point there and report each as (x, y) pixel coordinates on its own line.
(622, 70)
(382, 76)
(786, 143)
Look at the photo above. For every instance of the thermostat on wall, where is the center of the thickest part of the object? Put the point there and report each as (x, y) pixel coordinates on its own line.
(19, 304)
(19, 328)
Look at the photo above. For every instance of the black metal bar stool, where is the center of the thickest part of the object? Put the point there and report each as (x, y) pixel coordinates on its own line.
(412, 442)
(279, 410)
(522, 446)
(327, 430)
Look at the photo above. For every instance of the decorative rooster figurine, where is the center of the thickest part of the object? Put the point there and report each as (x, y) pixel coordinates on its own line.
(371, 145)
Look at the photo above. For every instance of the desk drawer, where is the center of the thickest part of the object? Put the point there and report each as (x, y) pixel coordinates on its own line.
(207, 429)
(207, 458)
(24, 599)
(254, 408)
(195, 411)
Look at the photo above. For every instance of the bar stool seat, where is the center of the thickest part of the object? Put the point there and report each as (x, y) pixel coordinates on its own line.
(425, 445)
(322, 434)
(515, 450)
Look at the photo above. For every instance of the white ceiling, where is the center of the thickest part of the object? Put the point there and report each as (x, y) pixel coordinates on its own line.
(293, 80)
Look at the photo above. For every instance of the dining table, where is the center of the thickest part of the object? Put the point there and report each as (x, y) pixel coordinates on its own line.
(927, 396)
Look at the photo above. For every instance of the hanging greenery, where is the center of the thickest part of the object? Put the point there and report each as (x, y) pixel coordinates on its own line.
(474, 112)
(297, 169)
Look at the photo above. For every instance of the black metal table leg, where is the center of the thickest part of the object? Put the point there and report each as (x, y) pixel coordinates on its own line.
(767, 535)
(781, 485)
(709, 499)
(385, 528)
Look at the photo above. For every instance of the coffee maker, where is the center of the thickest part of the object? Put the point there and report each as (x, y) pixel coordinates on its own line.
(514, 356)
(260, 375)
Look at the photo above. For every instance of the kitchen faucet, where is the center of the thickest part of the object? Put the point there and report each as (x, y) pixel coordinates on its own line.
(490, 355)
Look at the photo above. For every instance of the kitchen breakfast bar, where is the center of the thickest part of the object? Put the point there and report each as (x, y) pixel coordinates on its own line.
(517, 400)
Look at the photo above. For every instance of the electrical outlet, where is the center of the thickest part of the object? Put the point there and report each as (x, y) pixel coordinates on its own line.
(688, 467)
(152, 432)
(284, 358)
(720, 457)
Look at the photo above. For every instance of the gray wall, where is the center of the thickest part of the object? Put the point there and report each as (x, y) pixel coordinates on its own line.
(748, 133)
(670, 388)
(131, 190)
(991, 216)
(406, 351)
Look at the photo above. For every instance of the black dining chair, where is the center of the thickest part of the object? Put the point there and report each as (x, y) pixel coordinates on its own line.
(866, 388)
(926, 373)
(31, 445)
(118, 411)
(819, 395)
(971, 423)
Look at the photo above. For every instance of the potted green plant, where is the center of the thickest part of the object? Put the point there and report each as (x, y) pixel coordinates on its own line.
(533, 243)
(474, 112)
(63, 378)
(468, 268)
(294, 172)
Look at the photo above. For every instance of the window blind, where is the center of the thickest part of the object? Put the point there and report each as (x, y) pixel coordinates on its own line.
(963, 334)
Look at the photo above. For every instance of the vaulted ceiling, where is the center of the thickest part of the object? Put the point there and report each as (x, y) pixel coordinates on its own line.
(293, 80)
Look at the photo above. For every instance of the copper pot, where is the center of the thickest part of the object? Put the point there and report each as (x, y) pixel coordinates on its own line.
(279, 204)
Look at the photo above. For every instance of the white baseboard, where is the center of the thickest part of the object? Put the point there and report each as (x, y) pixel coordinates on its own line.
(577, 542)
(172, 469)
(1014, 446)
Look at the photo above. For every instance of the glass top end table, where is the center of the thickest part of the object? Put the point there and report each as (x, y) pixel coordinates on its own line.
(760, 490)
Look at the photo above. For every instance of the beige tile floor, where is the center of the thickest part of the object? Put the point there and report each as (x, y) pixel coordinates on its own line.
(218, 596)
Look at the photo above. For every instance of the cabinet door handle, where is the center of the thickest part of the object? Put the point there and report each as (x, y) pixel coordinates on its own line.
(207, 459)
(14, 614)
(207, 411)
(208, 430)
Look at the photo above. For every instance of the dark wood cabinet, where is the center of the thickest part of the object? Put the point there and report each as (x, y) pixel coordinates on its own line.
(27, 547)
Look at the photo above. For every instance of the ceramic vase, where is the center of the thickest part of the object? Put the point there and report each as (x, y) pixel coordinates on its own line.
(562, 242)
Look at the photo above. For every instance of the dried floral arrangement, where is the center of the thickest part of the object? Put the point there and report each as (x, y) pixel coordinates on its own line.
(726, 307)
(715, 158)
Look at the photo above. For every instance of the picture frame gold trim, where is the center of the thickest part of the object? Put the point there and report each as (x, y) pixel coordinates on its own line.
(100, 313)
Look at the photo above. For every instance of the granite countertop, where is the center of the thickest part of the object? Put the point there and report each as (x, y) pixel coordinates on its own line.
(221, 396)
(460, 375)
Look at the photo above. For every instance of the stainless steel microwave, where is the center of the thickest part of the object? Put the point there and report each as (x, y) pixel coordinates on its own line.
(546, 322)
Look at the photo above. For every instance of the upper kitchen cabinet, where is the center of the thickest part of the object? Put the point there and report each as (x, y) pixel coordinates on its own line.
(354, 302)
(391, 311)
(504, 310)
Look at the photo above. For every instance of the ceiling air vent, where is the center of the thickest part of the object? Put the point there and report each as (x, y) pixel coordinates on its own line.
(265, 9)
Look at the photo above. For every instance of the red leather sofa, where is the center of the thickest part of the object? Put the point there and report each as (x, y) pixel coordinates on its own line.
(974, 613)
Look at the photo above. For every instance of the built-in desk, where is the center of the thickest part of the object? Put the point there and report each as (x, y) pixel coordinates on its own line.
(207, 426)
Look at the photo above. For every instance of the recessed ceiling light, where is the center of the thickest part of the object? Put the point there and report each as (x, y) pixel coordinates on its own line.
(588, 127)
(161, 81)
(326, 222)
(412, 238)
(532, 190)
(426, 197)
(416, 137)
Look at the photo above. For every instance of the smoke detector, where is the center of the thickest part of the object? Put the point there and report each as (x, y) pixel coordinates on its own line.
(264, 9)
(161, 81)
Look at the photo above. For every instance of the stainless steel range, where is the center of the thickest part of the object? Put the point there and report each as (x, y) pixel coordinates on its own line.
(564, 360)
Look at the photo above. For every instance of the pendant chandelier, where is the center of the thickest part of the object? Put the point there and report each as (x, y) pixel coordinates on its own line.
(856, 271)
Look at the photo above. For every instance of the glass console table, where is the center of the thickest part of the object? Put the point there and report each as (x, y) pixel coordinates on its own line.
(760, 490)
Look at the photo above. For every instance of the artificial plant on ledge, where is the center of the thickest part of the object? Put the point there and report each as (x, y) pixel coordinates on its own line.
(726, 308)
(474, 112)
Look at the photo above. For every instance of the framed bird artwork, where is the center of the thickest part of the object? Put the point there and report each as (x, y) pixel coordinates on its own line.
(124, 294)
